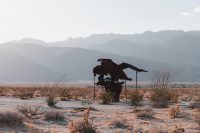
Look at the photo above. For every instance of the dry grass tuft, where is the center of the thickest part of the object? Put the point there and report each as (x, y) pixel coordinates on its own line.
(65, 95)
(10, 118)
(23, 93)
(178, 129)
(83, 126)
(174, 112)
(51, 98)
(31, 112)
(105, 98)
(119, 123)
(195, 105)
(146, 112)
(197, 119)
(135, 97)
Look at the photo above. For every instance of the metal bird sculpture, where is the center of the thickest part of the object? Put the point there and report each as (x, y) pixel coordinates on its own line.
(116, 72)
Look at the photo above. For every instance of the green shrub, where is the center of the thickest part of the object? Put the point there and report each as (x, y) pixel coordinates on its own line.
(135, 97)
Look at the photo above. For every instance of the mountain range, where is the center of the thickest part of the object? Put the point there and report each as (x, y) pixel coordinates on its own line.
(32, 60)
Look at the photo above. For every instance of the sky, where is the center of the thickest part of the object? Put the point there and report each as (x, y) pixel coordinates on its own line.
(56, 20)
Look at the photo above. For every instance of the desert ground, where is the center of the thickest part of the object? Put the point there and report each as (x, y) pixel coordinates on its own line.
(53, 109)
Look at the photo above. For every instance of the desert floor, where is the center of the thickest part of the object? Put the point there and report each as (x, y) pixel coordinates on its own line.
(114, 117)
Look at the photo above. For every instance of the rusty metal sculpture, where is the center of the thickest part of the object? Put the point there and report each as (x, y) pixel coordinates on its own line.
(109, 75)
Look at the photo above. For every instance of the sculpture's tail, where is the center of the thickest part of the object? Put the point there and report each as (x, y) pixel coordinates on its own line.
(126, 65)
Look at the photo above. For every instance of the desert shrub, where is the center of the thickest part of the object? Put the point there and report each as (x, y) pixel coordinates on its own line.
(174, 95)
(54, 115)
(10, 118)
(86, 103)
(31, 112)
(65, 95)
(160, 97)
(105, 98)
(135, 97)
(174, 112)
(51, 98)
(83, 126)
(197, 119)
(119, 123)
(158, 130)
(24, 93)
(178, 129)
(146, 112)
(195, 105)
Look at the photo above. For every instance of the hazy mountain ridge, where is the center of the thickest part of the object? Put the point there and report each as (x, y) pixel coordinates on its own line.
(176, 51)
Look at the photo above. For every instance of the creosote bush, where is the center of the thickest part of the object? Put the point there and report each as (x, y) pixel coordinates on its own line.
(135, 97)
(10, 118)
(105, 98)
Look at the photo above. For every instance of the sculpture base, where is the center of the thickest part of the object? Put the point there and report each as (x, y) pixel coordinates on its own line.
(115, 90)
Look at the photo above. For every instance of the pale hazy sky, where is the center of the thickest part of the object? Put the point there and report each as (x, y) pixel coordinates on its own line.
(53, 20)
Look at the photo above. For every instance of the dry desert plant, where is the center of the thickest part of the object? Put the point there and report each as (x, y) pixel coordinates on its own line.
(195, 105)
(135, 97)
(31, 112)
(174, 112)
(51, 98)
(10, 118)
(197, 119)
(65, 95)
(23, 93)
(158, 130)
(83, 126)
(105, 98)
(146, 112)
(178, 129)
(54, 115)
(119, 123)
(160, 95)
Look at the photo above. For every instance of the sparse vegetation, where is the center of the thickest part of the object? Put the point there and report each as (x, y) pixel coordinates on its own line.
(31, 112)
(10, 118)
(105, 98)
(65, 95)
(161, 95)
(51, 98)
(195, 105)
(146, 112)
(119, 123)
(83, 126)
(174, 112)
(24, 93)
(135, 97)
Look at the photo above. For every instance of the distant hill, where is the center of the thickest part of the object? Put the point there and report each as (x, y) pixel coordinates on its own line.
(32, 60)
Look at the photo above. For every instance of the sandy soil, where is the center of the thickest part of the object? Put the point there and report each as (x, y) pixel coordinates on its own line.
(104, 117)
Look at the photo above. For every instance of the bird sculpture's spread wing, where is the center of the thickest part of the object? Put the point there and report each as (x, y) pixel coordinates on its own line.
(126, 65)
